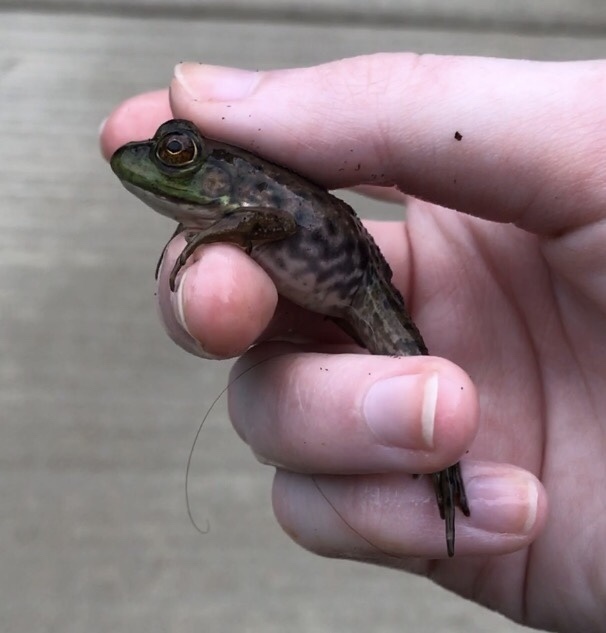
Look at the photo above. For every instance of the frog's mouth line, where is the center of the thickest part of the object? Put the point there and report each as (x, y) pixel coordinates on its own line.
(187, 213)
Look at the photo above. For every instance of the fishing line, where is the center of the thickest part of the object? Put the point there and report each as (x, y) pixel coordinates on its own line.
(313, 477)
(349, 525)
(197, 436)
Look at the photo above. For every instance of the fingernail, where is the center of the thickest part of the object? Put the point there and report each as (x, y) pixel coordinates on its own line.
(505, 505)
(173, 318)
(203, 82)
(177, 300)
(401, 411)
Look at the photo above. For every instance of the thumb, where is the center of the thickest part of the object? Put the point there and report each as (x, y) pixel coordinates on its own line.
(510, 141)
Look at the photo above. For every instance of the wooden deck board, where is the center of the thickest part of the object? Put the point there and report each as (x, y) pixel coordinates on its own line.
(582, 16)
(99, 409)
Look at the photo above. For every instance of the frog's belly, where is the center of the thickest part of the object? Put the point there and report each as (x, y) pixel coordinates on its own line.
(322, 285)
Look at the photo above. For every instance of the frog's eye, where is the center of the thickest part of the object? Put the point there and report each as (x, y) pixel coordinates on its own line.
(177, 150)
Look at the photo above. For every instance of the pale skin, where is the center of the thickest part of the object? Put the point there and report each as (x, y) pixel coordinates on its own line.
(517, 305)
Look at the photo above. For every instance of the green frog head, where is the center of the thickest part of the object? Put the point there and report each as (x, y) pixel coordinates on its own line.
(176, 174)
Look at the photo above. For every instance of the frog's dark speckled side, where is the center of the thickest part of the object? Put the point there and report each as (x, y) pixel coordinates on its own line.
(312, 244)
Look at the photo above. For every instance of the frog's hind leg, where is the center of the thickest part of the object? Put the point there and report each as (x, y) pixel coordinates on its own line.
(450, 493)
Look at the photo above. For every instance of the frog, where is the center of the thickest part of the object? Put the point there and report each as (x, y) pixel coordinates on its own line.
(312, 244)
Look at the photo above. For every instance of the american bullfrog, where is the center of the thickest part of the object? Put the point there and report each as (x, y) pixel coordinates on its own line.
(311, 244)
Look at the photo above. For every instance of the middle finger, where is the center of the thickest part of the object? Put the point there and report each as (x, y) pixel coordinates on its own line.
(352, 413)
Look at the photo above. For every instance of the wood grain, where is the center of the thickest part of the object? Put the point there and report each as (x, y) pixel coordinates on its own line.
(583, 17)
(98, 409)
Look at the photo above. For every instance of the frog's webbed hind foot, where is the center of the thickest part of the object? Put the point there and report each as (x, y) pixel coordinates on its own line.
(450, 493)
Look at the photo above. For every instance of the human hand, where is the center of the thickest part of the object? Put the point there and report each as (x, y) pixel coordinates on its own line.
(517, 301)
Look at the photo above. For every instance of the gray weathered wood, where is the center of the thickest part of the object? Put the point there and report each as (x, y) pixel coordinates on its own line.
(98, 409)
(564, 16)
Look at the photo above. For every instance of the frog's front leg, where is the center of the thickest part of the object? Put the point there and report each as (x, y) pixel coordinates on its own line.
(245, 227)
